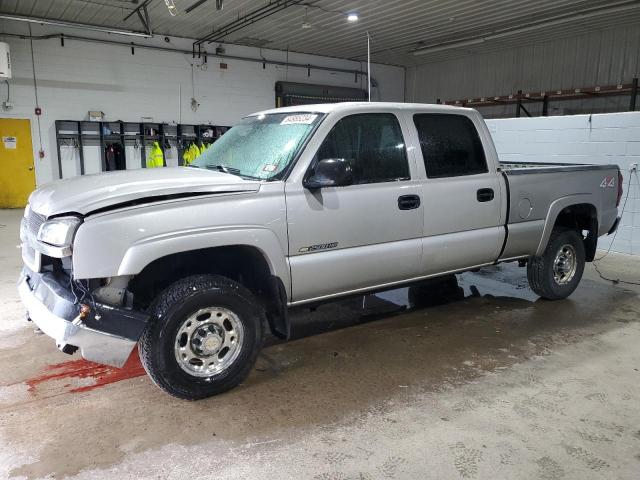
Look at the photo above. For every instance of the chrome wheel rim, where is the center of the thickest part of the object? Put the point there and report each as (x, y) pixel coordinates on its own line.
(565, 264)
(209, 341)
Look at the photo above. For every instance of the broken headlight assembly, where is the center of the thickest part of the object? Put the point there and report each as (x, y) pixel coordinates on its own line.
(59, 231)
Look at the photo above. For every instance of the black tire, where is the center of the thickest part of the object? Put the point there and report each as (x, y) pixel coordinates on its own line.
(170, 310)
(540, 270)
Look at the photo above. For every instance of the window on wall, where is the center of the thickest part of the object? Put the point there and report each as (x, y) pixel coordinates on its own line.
(450, 144)
(372, 143)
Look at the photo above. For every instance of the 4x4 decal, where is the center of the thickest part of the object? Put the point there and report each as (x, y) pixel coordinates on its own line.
(608, 182)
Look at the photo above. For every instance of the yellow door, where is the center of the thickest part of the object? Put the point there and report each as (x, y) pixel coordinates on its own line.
(17, 178)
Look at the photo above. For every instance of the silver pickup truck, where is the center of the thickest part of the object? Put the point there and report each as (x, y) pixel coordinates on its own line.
(293, 206)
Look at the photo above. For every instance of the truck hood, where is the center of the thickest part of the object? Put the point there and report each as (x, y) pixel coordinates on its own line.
(88, 193)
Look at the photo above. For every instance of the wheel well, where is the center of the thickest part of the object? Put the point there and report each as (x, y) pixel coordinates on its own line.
(243, 264)
(583, 218)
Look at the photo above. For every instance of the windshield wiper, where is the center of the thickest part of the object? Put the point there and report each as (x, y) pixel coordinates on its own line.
(223, 169)
(231, 171)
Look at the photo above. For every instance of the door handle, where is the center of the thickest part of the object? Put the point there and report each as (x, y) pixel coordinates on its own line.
(485, 194)
(408, 202)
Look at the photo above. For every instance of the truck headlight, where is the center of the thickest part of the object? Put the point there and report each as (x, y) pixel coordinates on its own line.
(59, 231)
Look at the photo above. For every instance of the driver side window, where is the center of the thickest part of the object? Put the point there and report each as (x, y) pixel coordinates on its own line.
(373, 145)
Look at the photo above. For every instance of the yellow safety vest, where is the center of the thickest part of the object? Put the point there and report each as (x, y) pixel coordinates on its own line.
(155, 157)
(186, 156)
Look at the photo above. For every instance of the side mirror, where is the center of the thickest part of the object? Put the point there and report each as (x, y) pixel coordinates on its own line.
(330, 172)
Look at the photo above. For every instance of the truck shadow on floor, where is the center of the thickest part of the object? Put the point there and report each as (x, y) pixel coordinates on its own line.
(430, 338)
(429, 293)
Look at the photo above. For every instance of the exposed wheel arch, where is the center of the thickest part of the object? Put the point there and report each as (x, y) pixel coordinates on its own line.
(577, 212)
(582, 217)
(241, 263)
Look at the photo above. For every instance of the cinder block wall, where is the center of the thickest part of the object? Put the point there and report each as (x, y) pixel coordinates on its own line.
(598, 139)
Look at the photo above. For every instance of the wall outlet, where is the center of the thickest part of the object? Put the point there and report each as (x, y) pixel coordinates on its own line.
(633, 167)
(7, 105)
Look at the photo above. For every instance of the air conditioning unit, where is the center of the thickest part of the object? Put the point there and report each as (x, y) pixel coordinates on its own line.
(5, 61)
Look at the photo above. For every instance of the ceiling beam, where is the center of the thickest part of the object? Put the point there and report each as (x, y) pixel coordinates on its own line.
(193, 6)
(143, 15)
(248, 19)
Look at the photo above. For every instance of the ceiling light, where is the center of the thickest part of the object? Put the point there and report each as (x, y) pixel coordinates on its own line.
(171, 7)
(63, 23)
(305, 23)
(352, 17)
(446, 46)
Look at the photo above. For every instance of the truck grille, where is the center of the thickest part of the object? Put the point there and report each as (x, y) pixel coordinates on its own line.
(28, 233)
(34, 222)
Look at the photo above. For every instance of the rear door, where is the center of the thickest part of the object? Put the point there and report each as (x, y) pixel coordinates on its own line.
(463, 225)
(344, 239)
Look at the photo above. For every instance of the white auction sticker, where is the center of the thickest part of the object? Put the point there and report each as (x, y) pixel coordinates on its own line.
(10, 143)
(300, 119)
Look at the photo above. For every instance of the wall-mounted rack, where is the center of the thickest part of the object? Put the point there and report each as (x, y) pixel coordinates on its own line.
(520, 98)
(82, 133)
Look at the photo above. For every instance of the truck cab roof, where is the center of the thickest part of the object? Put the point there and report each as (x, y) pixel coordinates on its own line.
(346, 106)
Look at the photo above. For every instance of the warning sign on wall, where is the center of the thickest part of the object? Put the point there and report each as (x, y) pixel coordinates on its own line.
(10, 143)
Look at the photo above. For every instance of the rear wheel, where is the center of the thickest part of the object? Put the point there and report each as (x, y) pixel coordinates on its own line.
(204, 339)
(557, 273)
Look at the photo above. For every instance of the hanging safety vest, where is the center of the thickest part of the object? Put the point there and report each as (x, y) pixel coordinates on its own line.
(187, 156)
(155, 157)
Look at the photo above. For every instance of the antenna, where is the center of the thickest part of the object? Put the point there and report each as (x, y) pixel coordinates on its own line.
(369, 64)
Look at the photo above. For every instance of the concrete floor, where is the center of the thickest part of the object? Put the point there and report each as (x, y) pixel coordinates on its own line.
(478, 379)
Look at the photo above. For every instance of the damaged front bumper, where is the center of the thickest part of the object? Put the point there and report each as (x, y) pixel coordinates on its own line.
(106, 335)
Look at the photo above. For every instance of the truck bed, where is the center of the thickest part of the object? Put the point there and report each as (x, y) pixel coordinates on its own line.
(537, 192)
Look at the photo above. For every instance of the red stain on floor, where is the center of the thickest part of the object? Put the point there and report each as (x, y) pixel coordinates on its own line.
(102, 374)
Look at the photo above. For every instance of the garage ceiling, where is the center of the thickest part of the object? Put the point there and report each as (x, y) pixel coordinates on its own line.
(442, 28)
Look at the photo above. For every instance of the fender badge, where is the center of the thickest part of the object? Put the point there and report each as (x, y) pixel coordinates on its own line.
(322, 246)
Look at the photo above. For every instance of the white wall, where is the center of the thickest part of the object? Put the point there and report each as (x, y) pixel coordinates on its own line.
(600, 57)
(597, 139)
(85, 76)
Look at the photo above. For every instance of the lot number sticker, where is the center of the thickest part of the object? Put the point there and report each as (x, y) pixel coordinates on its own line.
(301, 119)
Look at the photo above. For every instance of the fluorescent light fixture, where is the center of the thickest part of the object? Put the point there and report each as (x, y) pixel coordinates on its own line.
(617, 7)
(446, 46)
(82, 26)
(352, 17)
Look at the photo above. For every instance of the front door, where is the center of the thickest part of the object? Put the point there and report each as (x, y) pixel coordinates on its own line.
(345, 239)
(17, 177)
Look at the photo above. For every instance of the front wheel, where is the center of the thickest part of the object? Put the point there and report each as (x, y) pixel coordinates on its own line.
(204, 337)
(557, 273)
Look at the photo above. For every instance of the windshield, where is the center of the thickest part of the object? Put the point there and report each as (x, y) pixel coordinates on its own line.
(259, 147)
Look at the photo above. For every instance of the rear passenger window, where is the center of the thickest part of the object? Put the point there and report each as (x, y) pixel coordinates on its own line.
(450, 145)
(372, 143)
